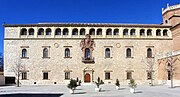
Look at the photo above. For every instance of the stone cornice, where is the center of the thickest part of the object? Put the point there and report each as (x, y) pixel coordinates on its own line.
(174, 27)
(175, 15)
(87, 25)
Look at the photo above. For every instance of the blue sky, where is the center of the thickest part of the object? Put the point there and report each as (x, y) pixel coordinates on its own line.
(98, 11)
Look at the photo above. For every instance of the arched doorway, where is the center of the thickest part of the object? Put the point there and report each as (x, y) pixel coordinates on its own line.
(87, 78)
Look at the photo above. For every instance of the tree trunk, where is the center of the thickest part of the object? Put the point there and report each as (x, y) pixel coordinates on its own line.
(18, 80)
(151, 79)
(151, 82)
(171, 79)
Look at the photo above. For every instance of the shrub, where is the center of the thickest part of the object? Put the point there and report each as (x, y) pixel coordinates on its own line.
(72, 85)
(117, 83)
(99, 82)
(132, 83)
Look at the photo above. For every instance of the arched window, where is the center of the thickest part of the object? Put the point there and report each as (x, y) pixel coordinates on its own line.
(149, 32)
(142, 32)
(116, 32)
(45, 53)
(67, 53)
(109, 32)
(82, 31)
(58, 31)
(99, 31)
(31, 31)
(75, 31)
(158, 32)
(92, 31)
(23, 31)
(65, 31)
(41, 31)
(107, 53)
(125, 32)
(128, 52)
(132, 32)
(87, 53)
(149, 53)
(165, 32)
(24, 53)
(48, 31)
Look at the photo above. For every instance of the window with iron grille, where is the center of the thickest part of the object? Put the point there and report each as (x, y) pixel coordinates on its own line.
(24, 75)
(67, 75)
(107, 75)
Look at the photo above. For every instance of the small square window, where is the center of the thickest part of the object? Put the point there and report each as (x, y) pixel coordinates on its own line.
(129, 75)
(67, 75)
(107, 75)
(45, 75)
(24, 75)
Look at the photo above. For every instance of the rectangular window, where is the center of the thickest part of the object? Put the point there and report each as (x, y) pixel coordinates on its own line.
(24, 75)
(129, 75)
(107, 75)
(149, 75)
(67, 75)
(45, 75)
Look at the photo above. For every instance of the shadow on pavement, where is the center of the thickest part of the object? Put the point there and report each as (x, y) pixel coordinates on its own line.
(31, 95)
(78, 89)
(104, 90)
(122, 88)
(80, 93)
(138, 92)
(176, 86)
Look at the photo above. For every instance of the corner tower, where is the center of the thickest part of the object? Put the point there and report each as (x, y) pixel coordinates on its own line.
(171, 16)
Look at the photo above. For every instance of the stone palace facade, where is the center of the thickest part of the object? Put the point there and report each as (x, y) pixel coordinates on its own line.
(53, 53)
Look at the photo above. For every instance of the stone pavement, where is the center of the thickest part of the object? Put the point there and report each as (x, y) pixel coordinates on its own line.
(88, 91)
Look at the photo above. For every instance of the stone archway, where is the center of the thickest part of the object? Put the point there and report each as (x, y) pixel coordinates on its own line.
(87, 78)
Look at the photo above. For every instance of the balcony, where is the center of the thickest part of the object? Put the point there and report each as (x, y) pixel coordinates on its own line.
(88, 60)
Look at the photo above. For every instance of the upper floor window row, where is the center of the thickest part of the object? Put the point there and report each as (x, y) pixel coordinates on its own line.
(25, 31)
(92, 31)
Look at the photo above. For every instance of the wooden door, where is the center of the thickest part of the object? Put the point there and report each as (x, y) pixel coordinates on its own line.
(87, 78)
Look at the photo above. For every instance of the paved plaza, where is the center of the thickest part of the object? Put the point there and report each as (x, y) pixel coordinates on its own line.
(88, 91)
